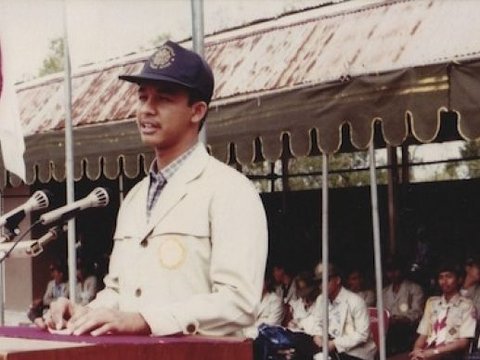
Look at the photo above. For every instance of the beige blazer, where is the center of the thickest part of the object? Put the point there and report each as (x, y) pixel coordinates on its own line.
(351, 328)
(197, 266)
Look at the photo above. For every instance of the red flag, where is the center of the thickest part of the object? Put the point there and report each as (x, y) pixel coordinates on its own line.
(11, 135)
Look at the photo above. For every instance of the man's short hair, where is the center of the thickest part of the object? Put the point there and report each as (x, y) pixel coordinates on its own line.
(450, 266)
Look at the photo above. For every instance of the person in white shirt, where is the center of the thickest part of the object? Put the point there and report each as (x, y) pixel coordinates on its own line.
(404, 300)
(348, 321)
(271, 310)
(301, 309)
(86, 283)
(284, 280)
(57, 287)
(356, 284)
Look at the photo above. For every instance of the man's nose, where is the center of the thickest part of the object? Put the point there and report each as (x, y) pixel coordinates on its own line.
(147, 106)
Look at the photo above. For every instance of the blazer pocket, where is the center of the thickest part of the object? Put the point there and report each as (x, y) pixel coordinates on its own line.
(185, 227)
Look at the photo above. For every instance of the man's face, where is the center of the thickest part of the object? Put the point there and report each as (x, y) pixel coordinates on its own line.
(354, 281)
(164, 117)
(473, 271)
(394, 276)
(448, 282)
(334, 284)
(278, 274)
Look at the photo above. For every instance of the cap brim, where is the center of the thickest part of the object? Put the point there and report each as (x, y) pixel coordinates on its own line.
(145, 78)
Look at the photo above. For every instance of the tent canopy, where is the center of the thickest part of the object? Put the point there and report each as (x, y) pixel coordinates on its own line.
(310, 75)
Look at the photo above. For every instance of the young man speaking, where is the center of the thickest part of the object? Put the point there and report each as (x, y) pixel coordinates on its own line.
(191, 239)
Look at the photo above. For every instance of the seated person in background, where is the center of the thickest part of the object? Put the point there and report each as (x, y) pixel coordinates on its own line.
(284, 282)
(271, 308)
(449, 320)
(356, 284)
(302, 308)
(471, 285)
(86, 283)
(348, 321)
(404, 300)
(56, 288)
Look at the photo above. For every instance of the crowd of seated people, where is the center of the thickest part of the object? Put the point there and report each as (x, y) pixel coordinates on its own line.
(440, 327)
(86, 288)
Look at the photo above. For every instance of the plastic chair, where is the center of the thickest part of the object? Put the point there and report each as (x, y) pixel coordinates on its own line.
(373, 315)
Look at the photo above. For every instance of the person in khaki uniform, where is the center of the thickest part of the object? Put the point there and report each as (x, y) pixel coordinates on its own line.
(191, 240)
(448, 322)
(471, 285)
(404, 300)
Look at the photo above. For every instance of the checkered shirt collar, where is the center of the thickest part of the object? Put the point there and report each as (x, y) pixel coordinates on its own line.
(168, 171)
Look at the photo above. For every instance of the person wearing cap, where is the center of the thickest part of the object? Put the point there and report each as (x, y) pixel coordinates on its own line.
(448, 323)
(348, 320)
(190, 244)
(356, 284)
(471, 285)
(404, 300)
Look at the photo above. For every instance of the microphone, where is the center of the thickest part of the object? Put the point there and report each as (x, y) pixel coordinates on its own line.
(97, 198)
(30, 248)
(39, 200)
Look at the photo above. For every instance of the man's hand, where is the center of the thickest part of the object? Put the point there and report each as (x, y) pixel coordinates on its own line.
(56, 317)
(107, 321)
(421, 354)
(318, 340)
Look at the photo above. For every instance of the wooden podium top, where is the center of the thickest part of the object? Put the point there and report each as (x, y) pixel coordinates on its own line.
(21, 343)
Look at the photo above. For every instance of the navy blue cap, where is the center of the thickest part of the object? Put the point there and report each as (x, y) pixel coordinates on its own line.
(175, 64)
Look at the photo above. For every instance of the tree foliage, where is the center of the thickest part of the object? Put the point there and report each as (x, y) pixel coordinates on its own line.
(469, 169)
(53, 63)
(345, 170)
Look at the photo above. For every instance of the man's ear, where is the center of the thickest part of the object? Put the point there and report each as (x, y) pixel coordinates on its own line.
(199, 109)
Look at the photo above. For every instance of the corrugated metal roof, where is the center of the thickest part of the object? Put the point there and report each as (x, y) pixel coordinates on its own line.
(311, 47)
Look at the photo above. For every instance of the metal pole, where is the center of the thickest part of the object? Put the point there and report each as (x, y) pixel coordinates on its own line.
(377, 250)
(72, 265)
(392, 193)
(325, 255)
(198, 47)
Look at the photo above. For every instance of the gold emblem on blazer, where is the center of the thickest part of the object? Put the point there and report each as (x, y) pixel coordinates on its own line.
(163, 58)
(172, 252)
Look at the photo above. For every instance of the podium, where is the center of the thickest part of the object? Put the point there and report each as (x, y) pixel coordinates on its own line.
(21, 343)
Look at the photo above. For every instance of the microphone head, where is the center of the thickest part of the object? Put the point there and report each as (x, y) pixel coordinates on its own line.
(39, 200)
(100, 197)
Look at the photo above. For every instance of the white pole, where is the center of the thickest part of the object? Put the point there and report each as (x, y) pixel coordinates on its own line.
(72, 265)
(377, 250)
(325, 255)
(198, 46)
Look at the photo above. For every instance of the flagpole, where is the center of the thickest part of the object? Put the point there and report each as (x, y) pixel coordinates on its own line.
(198, 45)
(72, 264)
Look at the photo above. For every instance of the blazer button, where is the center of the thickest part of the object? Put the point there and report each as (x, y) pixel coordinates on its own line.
(144, 243)
(191, 328)
(138, 292)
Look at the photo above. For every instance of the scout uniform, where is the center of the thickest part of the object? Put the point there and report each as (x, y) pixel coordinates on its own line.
(444, 322)
(473, 293)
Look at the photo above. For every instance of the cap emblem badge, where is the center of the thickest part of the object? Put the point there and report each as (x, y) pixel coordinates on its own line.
(163, 58)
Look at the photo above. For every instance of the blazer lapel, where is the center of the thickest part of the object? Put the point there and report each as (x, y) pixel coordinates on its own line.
(177, 187)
